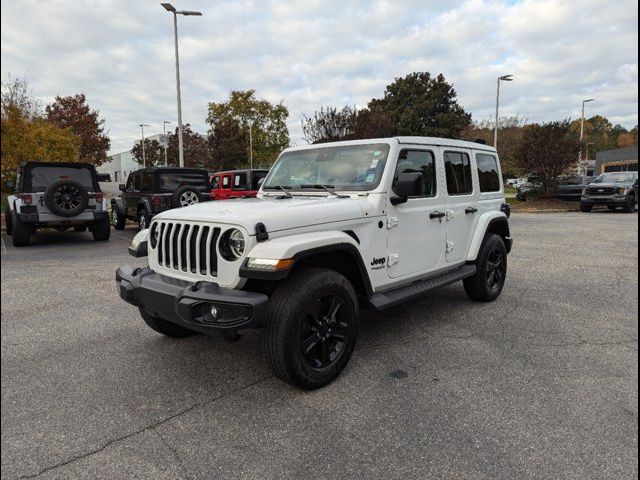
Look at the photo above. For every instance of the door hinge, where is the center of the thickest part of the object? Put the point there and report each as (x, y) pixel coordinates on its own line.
(450, 246)
(392, 222)
(393, 259)
(450, 215)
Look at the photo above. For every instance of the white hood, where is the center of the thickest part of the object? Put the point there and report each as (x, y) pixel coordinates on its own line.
(276, 214)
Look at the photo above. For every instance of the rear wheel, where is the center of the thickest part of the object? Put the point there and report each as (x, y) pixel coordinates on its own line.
(162, 326)
(630, 206)
(585, 208)
(101, 230)
(143, 219)
(184, 196)
(117, 219)
(486, 285)
(21, 234)
(312, 327)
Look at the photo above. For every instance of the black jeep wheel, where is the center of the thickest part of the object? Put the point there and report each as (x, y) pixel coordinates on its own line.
(21, 234)
(584, 208)
(312, 327)
(185, 196)
(144, 219)
(101, 230)
(630, 206)
(7, 220)
(66, 198)
(117, 219)
(162, 326)
(486, 285)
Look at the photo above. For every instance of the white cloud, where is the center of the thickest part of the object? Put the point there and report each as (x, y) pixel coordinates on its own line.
(313, 53)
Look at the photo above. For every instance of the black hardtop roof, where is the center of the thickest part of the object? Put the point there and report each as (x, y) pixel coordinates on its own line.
(171, 170)
(58, 164)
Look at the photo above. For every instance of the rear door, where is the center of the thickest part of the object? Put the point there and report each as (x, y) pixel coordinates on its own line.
(460, 200)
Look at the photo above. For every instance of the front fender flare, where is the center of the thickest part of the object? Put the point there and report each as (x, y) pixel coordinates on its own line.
(485, 221)
(119, 204)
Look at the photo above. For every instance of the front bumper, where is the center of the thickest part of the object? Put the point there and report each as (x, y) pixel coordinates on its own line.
(188, 304)
(611, 200)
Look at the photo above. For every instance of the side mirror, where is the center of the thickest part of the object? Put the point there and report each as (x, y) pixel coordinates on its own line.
(122, 187)
(407, 185)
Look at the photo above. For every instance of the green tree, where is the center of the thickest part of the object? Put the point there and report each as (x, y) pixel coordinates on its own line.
(419, 104)
(194, 146)
(153, 153)
(267, 122)
(329, 125)
(549, 150)
(227, 144)
(73, 112)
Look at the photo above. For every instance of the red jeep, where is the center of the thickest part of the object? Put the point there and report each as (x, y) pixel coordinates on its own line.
(236, 183)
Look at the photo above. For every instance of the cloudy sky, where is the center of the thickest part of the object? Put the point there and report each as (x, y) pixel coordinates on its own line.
(311, 53)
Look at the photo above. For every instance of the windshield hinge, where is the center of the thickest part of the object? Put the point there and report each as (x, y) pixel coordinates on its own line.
(392, 222)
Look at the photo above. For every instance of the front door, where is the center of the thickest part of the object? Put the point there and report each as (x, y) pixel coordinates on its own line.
(133, 193)
(225, 186)
(460, 203)
(416, 228)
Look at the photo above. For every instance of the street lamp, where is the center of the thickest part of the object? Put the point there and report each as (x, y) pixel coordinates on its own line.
(187, 13)
(165, 141)
(144, 160)
(505, 78)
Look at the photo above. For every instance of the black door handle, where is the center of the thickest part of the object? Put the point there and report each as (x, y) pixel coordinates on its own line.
(470, 210)
(436, 214)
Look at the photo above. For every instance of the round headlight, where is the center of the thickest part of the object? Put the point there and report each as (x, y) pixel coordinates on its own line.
(153, 236)
(232, 244)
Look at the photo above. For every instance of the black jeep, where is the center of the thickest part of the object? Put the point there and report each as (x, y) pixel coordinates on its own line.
(613, 190)
(153, 190)
(56, 195)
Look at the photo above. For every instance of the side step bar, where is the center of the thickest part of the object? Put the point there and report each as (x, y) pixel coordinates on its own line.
(381, 301)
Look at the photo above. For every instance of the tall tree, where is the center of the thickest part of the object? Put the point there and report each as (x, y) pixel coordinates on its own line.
(265, 123)
(27, 139)
(153, 153)
(419, 104)
(227, 144)
(195, 148)
(329, 125)
(73, 112)
(17, 95)
(548, 150)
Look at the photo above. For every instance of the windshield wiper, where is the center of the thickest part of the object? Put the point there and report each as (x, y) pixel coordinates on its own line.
(322, 187)
(280, 187)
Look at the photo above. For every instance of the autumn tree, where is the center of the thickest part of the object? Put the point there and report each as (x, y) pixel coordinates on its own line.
(419, 104)
(27, 139)
(266, 122)
(329, 124)
(194, 146)
(73, 112)
(17, 95)
(549, 150)
(153, 153)
(227, 145)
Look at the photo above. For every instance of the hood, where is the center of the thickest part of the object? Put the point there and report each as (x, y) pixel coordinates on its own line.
(611, 185)
(276, 214)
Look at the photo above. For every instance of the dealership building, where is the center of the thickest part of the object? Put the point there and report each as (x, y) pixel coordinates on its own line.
(617, 160)
(120, 165)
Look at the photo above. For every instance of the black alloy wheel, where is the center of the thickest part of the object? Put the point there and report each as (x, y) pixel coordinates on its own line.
(496, 268)
(325, 331)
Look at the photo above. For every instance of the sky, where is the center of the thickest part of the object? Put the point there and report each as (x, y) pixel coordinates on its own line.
(315, 53)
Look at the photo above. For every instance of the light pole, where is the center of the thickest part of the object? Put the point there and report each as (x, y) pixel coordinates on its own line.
(250, 147)
(582, 126)
(165, 141)
(505, 78)
(187, 13)
(144, 159)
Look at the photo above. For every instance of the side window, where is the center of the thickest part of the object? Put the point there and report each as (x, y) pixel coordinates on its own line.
(147, 182)
(240, 181)
(137, 182)
(488, 173)
(215, 183)
(225, 181)
(130, 182)
(419, 161)
(458, 169)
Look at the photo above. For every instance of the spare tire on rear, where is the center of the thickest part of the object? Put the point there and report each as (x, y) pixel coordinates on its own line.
(185, 196)
(66, 198)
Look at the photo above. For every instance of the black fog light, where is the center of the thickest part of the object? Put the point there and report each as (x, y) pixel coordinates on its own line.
(224, 314)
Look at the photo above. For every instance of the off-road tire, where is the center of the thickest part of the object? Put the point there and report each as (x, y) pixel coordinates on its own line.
(630, 206)
(289, 308)
(7, 220)
(165, 328)
(144, 219)
(117, 219)
(585, 208)
(176, 197)
(101, 230)
(479, 287)
(21, 232)
(82, 199)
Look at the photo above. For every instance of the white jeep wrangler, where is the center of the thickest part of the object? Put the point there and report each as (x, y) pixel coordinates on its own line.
(335, 227)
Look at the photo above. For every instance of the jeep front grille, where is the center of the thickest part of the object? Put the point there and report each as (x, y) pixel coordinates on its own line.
(187, 247)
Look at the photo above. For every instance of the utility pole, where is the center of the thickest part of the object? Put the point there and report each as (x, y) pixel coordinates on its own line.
(144, 159)
(165, 142)
(505, 78)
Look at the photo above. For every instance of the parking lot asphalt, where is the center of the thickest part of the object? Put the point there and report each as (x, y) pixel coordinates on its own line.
(542, 383)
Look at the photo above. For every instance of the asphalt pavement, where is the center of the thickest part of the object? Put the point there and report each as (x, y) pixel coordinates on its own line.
(542, 383)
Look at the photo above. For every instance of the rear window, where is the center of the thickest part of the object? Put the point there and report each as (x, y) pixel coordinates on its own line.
(170, 182)
(240, 181)
(41, 177)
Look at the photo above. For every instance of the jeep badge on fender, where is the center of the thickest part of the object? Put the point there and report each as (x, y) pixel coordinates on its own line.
(335, 228)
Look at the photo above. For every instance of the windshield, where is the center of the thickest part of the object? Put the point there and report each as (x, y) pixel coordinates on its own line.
(352, 167)
(617, 177)
(41, 177)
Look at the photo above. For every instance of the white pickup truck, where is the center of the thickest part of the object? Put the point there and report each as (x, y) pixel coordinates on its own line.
(336, 227)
